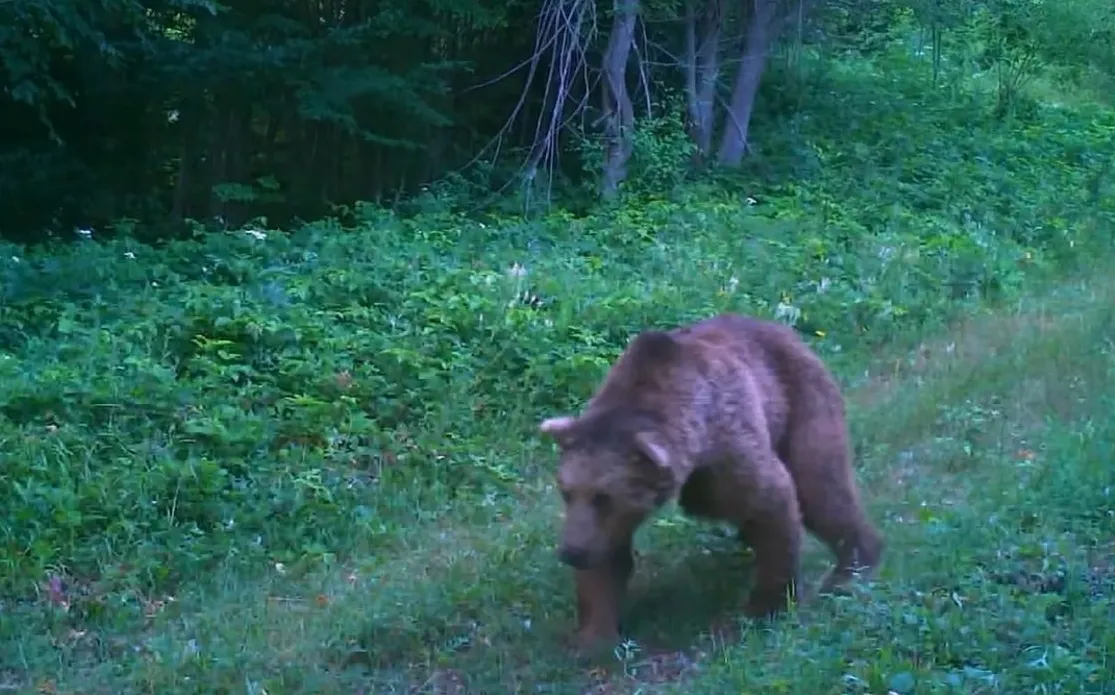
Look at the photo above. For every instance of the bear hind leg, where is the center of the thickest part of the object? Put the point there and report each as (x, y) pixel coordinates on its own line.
(831, 506)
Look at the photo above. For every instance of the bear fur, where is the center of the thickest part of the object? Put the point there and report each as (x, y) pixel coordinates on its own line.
(737, 419)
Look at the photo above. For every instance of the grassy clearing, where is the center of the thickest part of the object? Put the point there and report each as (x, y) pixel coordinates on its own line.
(987, 463)
(307, 462)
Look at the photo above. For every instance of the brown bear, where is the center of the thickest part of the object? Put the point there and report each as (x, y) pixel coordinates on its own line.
(743, 423)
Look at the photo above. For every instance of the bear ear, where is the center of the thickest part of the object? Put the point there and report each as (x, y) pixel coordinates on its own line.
(651, 445)
(558, 427)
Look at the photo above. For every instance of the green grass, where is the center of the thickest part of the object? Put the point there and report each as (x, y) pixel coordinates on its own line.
(308, 461)
(987, 466)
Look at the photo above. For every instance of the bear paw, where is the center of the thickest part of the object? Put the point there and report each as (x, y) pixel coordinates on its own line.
(765, 604)
(589, 640)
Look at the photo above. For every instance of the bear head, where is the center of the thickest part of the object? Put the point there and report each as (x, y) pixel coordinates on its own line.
(615, 469)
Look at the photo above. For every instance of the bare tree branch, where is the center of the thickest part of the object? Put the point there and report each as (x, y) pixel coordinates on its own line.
(644, 79)
(565, 30)
(568, 58)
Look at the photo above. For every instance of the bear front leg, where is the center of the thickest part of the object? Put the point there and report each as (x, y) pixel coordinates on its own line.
(768, 517)
(775, 538)
(600, 595)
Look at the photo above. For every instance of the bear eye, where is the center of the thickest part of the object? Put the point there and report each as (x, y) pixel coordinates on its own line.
(601, 501)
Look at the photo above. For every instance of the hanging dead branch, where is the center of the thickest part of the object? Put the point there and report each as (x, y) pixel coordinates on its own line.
(566, 30)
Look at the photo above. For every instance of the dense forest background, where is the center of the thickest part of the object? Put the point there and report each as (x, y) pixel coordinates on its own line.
(154, 111)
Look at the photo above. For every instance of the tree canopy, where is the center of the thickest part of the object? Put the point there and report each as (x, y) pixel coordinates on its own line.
(171, 109)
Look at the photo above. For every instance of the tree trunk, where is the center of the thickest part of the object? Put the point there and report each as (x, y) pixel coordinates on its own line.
(187, 126)
(619, 116)
(761, 30)
(702, 69)
(218, 153)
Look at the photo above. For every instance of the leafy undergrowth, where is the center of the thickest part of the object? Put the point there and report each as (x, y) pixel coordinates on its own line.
(308, 462)
(985, 454)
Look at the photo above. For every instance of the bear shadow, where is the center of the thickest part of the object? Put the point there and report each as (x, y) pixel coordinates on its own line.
(677, 597)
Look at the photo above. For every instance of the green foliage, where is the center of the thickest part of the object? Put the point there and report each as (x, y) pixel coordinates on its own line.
(986, 469)
(193, 109)
(189, 100)
(164, 406)
(209, 442)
